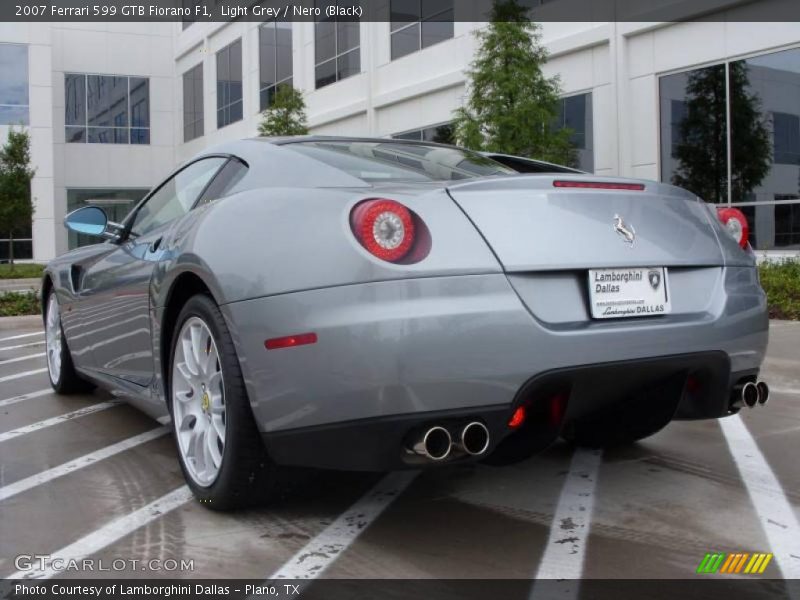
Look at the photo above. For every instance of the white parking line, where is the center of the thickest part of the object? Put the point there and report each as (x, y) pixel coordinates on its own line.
(82, 412)
(108, 534)
(5, 361)
(17, 347)
(773, 508)
(82, 461)
(566, 547)
(19, 337)
(22, 374)
(28, 396)
(324, 549)
(787, 391)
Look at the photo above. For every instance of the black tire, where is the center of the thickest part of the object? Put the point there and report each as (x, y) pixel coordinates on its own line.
(246, 475)
(68, 381)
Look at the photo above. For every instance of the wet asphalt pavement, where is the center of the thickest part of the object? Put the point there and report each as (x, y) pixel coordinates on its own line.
(651, 510)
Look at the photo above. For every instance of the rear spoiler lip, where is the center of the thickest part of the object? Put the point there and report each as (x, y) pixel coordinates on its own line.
(545, 183)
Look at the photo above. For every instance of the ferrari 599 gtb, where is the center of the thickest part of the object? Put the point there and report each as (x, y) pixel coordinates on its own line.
(370, 304)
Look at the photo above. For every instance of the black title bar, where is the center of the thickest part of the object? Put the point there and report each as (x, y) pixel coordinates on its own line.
(698, 588)
(379, 10)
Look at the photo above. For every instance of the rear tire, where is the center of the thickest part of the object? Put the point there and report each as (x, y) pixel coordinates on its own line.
(221, 453)
(63, 377)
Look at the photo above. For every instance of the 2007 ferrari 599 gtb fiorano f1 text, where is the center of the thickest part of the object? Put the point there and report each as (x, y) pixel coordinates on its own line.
(372, 304)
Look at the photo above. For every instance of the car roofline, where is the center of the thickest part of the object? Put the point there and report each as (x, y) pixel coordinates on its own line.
(534, 160)
(299, 139)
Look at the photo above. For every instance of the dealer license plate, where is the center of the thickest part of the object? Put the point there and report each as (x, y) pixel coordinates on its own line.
(636, 292)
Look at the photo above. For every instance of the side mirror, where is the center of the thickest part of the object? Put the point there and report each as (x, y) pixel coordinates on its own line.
(91, 220)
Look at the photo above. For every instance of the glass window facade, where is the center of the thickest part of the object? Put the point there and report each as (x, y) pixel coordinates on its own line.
(22, 242)
(116, 202)
(275, 59)
(575, 113)
(440, 134)
(753, 162)
(14, 84)
(107, 109)
(229, 84)
(337, 47)
(193, 103)
(417, 24)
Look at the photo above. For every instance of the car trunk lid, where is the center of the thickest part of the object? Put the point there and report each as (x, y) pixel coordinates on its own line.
(543, 223)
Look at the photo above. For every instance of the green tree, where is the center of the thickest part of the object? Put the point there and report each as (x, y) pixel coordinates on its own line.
(512, 106)
(16, 207)
(286, 115)
(702, 152)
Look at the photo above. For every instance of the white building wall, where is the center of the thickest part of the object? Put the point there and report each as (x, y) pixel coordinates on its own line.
(619, 63)
(40, 94)
(132, 49)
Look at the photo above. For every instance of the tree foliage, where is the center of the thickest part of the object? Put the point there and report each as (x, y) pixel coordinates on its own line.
(16, 207)
(286, 115)
(511, 105)
(702, 152)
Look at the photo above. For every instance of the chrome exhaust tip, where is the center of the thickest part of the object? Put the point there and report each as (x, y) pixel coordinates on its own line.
(763, 392)
(435, 444)
(474, 438)
(750, 394)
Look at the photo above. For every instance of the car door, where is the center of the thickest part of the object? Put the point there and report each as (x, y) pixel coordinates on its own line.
(117, 287)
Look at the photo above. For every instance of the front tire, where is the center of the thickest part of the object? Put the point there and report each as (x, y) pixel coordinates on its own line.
(221, 453)
(63, 377)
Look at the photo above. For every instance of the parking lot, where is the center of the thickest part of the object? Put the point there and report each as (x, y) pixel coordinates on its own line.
(90, 477)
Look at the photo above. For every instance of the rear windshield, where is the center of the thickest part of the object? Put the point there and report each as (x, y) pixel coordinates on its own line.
(388, 161)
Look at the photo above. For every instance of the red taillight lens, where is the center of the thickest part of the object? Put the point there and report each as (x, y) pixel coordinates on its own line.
(600, 185)
(736, 223)
(290, 341)
(518, 418)
(384, 227)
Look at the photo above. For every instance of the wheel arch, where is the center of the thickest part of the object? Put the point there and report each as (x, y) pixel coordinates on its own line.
(182, 287)
(47, 286)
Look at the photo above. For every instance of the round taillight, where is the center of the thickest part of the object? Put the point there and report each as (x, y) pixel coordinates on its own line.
(384, 227)
(736, 223)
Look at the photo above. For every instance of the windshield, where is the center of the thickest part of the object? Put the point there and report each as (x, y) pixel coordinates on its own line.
(390, 161)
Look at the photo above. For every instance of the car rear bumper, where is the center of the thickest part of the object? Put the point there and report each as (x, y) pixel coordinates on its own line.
(401, 349)
(550, 399)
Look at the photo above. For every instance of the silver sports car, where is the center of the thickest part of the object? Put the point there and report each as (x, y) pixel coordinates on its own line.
(372, 304)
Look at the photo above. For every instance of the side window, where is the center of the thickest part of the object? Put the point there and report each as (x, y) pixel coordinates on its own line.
(225, 181)
(176, 197)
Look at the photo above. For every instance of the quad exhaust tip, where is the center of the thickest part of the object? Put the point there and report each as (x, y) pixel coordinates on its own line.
(435, 444)
(750, 394)
(763, 392)
(474, 439)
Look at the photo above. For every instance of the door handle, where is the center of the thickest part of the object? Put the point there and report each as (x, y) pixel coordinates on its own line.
(155, 244)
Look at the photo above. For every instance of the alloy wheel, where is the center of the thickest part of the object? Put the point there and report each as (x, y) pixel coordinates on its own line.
(198, 401)
(53, 339)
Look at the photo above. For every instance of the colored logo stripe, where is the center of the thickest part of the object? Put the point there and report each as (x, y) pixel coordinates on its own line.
(711, 562)
(733, 563)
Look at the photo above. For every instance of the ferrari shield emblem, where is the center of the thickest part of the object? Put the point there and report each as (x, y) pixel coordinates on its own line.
(654, 277)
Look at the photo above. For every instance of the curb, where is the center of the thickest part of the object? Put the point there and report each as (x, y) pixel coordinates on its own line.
(28, 321)
(30, 281)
